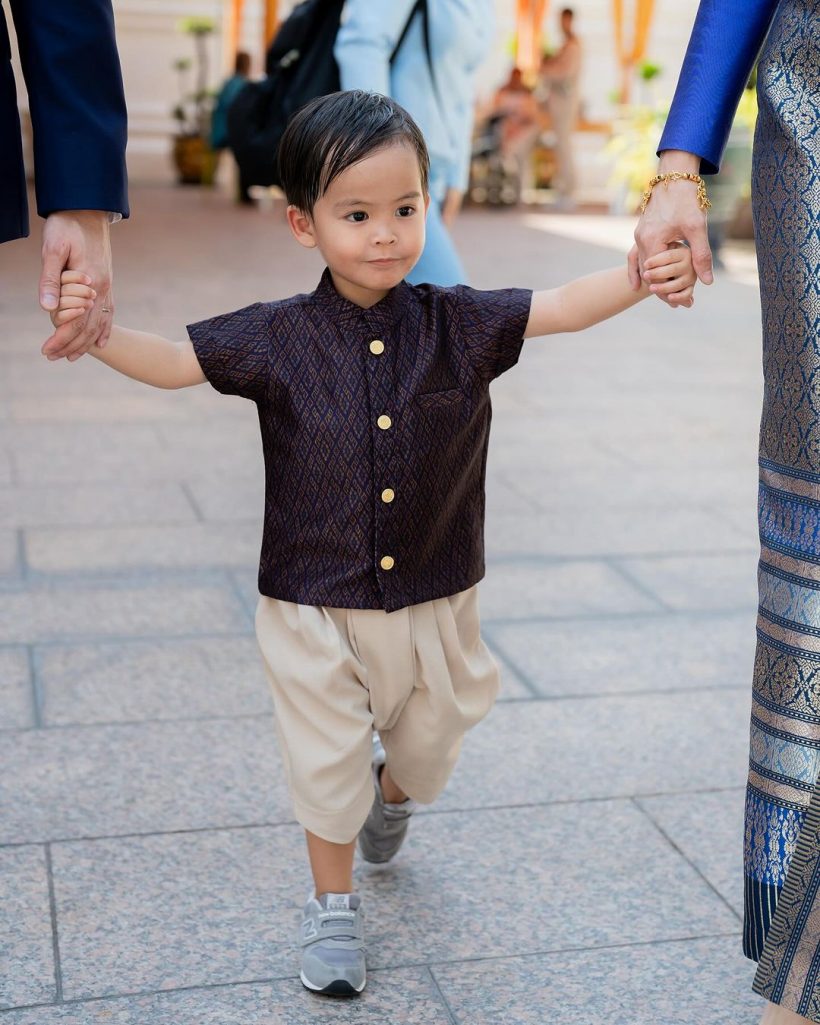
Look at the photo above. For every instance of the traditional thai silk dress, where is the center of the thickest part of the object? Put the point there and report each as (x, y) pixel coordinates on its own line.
(782, 836)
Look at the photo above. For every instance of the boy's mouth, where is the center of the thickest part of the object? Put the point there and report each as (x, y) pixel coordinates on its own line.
(389, 261)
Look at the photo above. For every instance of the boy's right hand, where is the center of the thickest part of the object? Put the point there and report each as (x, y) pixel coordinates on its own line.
(76, 298)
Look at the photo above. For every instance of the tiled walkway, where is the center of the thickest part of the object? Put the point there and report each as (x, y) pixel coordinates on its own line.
(583, 866)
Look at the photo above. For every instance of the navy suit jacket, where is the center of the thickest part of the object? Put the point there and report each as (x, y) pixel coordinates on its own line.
(72, 72)
(725, 43)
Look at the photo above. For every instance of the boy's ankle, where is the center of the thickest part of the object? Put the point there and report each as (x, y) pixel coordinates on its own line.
(391, 793)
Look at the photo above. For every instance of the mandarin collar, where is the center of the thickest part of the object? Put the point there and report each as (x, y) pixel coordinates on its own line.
(381, 315)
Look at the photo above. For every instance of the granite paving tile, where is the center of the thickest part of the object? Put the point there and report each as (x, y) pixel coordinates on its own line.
(708, 829)
(218, 445)
(693, 483)
(700, 583)
(529, 587)
(229, 496)
(16, 698)
(646, 653)
(191, 546)
(162, 912)
(132, 681)
(84, 453)
(696, 982)
(577, 531)
(26, 955)
(513, 687)
(9, 565)
(603, 747)
(93, 506)
(74, 613)
(134, 405)
(140, 777)
(405, 996)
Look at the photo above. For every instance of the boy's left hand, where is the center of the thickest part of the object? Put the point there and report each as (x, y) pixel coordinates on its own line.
(671, 276)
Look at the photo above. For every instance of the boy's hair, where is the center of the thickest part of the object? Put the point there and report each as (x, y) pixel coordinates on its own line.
(333, 132)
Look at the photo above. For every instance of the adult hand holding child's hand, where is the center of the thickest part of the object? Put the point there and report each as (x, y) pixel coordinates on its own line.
(77, 241)
(673, 214)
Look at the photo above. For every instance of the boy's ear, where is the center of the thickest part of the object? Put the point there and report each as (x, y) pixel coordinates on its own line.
(301, 227)
(426, 203)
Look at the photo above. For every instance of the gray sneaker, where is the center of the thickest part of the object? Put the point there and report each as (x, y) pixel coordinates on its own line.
(386, 826)
(333, 945)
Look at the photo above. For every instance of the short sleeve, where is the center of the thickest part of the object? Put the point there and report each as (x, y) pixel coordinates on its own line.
(233, 350)
(491, 326)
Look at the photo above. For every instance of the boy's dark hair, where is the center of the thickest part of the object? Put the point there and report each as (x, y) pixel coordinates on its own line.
(333, 132)
(242, 63)
(567, 12)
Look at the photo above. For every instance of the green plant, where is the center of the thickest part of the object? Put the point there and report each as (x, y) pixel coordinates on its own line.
(635, 134)
(648, 71)
(193, 110)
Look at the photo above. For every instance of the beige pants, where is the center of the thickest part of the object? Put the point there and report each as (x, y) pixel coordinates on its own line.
(421, 676)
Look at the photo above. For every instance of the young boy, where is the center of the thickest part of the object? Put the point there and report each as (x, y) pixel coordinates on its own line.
(373, 401)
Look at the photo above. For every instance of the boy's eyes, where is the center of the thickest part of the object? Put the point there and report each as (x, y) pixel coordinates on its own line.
(359, 216)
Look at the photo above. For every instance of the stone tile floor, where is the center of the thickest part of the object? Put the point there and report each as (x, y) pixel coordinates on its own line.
(584, 864)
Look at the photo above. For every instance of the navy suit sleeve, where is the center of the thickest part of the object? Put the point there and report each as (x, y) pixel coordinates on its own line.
(724, 45)
(72, 70)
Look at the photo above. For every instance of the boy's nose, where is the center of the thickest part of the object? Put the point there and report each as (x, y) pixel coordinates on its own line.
(384, 235)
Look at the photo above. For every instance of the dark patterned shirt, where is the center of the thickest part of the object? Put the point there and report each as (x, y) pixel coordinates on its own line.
(375, 424)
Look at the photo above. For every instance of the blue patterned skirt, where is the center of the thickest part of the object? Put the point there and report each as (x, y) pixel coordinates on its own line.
(782, 841)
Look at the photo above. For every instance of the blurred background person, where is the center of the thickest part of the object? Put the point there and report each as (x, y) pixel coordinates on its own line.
(559, 80)
(231, 88)
(439, 93)
(517, 110)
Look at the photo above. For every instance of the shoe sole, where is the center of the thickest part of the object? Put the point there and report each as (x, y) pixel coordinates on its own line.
(337, 988)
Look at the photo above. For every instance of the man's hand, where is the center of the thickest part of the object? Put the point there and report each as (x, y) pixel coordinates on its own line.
(672, 214)
(77, 240)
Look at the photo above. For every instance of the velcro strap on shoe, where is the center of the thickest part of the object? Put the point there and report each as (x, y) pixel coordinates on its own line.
(333, 925)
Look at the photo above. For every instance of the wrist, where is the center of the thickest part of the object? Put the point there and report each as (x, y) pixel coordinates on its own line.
(678, 160)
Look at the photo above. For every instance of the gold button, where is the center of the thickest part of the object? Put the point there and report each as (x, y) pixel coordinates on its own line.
(377, 347)
(384, 422)
(387, 562)
(388, 495)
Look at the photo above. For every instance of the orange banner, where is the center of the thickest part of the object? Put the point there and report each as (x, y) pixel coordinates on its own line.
(644, 12)
(529, 26)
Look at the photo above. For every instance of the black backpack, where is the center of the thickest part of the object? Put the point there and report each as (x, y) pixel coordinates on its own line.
(300, 66)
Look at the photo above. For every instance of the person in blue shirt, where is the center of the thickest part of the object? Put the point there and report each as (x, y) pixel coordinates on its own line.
(231, 88)
(440, 97)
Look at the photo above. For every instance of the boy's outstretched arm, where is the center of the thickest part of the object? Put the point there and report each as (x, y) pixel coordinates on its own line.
(597, 297)
(147, 358)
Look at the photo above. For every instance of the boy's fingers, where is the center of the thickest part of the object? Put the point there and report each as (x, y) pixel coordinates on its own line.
(74, 277)
(669, 288)
(72, 302)
(80, 291)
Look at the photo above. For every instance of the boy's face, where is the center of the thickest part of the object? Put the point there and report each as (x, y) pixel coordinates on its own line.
(369, 225)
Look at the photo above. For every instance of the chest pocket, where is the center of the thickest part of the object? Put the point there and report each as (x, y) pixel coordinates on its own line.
(451, 398)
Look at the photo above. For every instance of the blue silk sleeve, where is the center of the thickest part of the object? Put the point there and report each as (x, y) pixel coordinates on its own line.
(724, 45)
(72, 73)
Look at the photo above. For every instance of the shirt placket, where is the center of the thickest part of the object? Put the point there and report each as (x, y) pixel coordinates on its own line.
(384, 415)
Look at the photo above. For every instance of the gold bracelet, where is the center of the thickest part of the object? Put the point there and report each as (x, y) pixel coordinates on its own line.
(676, 176)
